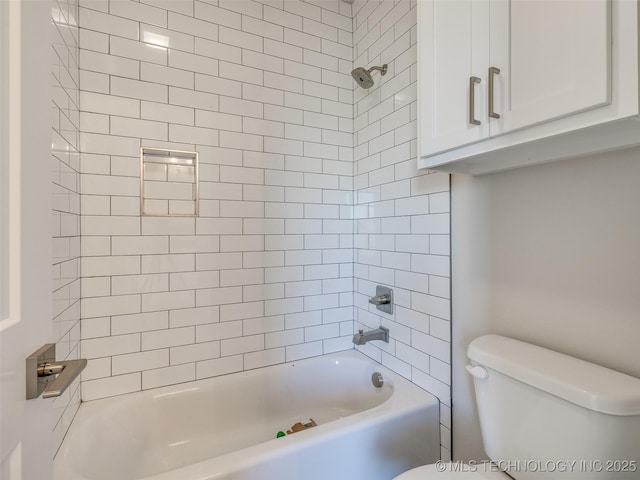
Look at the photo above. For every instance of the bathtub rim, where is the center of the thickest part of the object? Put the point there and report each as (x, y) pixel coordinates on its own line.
(412, 398)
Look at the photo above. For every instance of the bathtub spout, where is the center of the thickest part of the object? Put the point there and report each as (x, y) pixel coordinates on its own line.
(381, 333)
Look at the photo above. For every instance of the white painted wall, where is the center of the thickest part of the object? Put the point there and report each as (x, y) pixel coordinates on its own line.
(549, 255)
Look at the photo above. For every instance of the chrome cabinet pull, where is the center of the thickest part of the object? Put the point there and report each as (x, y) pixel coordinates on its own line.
(492, 72)
(472, 100)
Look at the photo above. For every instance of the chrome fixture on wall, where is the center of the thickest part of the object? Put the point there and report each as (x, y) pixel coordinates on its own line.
(362, 337)
(363, 76)
(42, 366)
(383, 299)
(377, 380)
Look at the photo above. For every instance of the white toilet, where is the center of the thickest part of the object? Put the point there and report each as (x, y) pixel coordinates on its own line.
(546, 415)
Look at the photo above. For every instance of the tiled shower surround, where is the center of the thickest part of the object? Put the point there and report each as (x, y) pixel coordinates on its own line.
(65, 178)
(309, 192)
(401, 215)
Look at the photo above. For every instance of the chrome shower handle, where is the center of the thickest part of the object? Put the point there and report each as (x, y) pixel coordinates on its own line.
(380, 299)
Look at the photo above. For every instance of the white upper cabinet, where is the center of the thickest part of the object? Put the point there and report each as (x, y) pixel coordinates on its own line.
(554, 59)
(508, 83)
(454, 46)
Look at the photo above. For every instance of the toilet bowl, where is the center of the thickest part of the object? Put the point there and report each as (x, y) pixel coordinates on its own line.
(453, 471)
(577, 416)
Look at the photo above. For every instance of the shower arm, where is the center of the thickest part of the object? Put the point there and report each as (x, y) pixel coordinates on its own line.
(382, 69)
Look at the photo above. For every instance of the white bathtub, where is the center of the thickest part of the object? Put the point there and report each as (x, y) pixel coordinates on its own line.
(224, 428)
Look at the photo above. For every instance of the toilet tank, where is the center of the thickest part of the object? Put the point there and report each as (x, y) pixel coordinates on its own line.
(546, 415)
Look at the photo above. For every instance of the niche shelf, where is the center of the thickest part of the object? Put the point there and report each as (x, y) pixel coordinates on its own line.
(169, 183)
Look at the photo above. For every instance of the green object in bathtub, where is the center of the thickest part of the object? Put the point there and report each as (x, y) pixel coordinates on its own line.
(280, 434)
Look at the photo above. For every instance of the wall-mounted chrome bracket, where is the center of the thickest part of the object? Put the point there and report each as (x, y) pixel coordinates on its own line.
(383, 299)
(41, 368)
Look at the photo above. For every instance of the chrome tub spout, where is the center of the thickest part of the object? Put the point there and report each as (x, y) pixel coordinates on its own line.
(362, 337)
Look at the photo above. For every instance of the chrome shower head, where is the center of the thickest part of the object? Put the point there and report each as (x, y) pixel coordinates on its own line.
(363, 77)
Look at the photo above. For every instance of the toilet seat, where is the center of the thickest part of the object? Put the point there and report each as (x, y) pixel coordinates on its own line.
(449, 471)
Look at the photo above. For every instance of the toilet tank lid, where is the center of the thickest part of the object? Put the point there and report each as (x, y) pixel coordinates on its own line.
(586, 384)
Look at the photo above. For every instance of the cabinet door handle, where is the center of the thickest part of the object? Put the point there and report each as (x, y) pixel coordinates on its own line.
(472, 100)
(492, 72)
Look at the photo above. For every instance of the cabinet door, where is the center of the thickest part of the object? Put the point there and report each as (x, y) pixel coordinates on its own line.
(453, 46)
(554, 59)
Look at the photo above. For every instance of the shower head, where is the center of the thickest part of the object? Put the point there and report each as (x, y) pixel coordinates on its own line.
(363, 77)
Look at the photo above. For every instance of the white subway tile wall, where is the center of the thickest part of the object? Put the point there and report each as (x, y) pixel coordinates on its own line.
(267, 101)
(401, 215)
(310, 194)
(65, 168)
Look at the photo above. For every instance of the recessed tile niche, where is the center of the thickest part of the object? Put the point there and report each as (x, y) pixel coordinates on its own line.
(168, 183)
